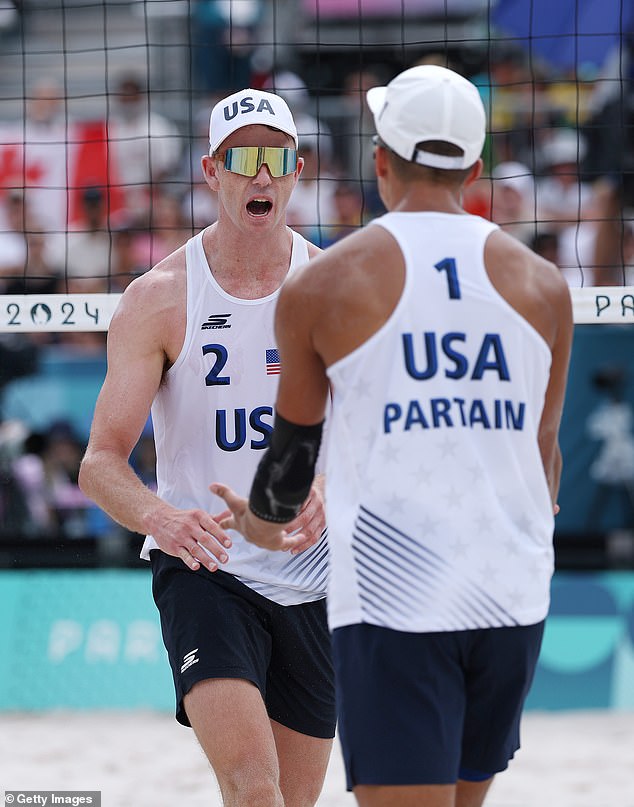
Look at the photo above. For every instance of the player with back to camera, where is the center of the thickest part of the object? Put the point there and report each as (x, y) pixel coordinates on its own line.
(446, 344)
(193, 340)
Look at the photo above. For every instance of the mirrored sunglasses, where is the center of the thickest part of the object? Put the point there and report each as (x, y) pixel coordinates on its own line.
(247, 160)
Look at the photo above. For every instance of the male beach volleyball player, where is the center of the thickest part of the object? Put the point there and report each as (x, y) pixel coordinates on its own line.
(193, 340)
(446, 343)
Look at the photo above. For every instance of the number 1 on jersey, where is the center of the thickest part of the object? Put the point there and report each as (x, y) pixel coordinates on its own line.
(449, 265)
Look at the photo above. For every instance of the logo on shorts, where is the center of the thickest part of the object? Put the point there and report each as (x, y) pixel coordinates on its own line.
(189, 659)
(216, 321)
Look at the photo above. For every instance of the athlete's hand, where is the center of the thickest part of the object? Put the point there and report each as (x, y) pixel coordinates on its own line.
(311, 520)
(186, 534)
(266, 534)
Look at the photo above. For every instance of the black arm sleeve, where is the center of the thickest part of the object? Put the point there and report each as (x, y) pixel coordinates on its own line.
(285, 473)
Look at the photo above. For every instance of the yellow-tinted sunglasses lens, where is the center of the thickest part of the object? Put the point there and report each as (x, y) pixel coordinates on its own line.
(247, 160)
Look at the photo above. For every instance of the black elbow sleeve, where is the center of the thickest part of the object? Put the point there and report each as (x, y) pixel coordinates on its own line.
(285, 473)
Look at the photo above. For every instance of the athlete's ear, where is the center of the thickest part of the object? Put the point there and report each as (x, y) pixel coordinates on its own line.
(380, 161)
(210, 171)
(300, 167)
(475, 173)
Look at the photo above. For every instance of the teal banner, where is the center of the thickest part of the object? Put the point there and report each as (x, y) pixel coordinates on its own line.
(81, 640)
(587, 658)
(91, 639)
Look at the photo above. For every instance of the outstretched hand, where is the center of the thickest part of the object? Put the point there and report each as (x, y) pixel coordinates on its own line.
(266, 534)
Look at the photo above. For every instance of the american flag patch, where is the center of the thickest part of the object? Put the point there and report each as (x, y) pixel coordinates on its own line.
(272, 362)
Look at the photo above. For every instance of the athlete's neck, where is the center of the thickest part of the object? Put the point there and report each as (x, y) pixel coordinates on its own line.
(248, 268)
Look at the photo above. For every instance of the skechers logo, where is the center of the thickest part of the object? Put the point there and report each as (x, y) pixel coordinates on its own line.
(189, 659)
(247, 105)
(216, 321)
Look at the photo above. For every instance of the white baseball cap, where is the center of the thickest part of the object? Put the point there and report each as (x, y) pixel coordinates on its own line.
(248, 107)
(429, 102)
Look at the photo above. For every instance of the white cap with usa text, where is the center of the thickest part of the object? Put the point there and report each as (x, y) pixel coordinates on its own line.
(246, 108)
(426, 103)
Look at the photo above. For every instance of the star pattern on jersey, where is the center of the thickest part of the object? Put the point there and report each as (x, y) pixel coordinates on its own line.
(524, 524)
(459, 548)
(370, 438)
(490, 572)
(453, 497)
(362, 388)
(396, 503)
(428, 526)
(390, 452)
(483, 523)
(424, 474)
(447, 446)
(516, 598)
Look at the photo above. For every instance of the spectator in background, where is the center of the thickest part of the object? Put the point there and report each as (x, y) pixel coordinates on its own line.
(45, 471)
(513, 200)
(125, 263)
(312, 205)
(562, 198)
(145, 145)
(30, 476)
(610, 163)
(88, 248)
(546, 244)
(348, 203)
(14, 512)
(12, 237)
(566, 205)
(40, 274)
(168, 228)
(61, 456)
(310, 128)
(27, 262)
(223, 41)
(41, 157)
(199, 206)
(355, 136)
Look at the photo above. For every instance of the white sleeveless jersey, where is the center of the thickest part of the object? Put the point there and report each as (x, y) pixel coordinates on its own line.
(439, 513)
(212, 418)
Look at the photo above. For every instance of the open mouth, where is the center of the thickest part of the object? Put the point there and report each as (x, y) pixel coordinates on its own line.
(259, 207)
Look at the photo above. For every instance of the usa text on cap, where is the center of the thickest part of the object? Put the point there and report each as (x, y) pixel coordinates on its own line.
(246, 108)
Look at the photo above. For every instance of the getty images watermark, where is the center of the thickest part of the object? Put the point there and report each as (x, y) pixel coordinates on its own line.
(46, 798)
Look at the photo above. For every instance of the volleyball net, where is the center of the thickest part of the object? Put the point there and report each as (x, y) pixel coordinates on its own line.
(104, 111)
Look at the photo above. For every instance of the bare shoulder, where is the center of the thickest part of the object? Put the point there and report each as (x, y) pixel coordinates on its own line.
(344, 295)
(534, 286)
(156, 299)
(339, 270)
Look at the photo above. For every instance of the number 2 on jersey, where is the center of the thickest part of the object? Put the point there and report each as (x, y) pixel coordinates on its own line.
(213, 377)
(449, 265)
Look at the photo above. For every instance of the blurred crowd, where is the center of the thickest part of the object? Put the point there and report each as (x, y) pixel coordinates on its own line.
(39, 494)
(88, 206)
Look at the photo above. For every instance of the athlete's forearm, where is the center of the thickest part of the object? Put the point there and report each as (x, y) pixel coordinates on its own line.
(109, 480)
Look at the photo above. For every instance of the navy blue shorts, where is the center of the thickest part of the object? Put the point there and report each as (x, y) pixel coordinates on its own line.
(431, 708)
(216, 627)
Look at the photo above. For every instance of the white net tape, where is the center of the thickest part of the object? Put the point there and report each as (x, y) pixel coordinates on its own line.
(57, 313)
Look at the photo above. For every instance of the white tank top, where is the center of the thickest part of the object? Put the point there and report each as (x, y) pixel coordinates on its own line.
(212, 417)
(439, 513)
